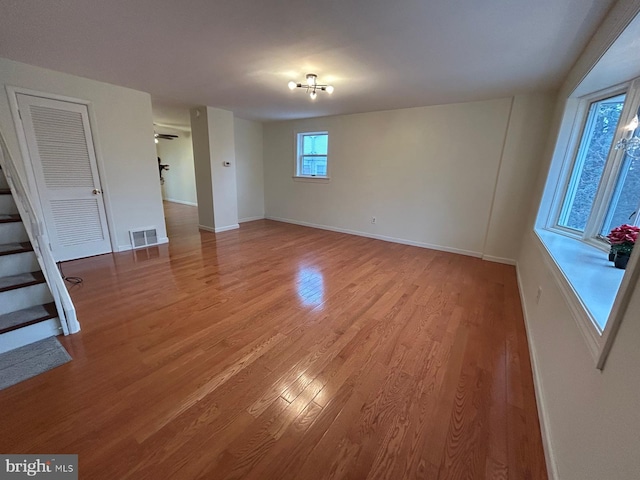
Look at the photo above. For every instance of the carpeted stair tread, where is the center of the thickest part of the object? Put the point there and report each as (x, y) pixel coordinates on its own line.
(11, 248)
(31, 360)
(4, 218)
(21, 280)
(28, 316)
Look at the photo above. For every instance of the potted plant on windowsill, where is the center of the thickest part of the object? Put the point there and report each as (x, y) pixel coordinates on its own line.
(622, 240)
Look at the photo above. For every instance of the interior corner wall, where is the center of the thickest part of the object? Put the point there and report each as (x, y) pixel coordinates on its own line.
(122, 128)
(249, 172)
(590, 418)
(180, 180)
(427, 174)
(202, 167)
(523, 149)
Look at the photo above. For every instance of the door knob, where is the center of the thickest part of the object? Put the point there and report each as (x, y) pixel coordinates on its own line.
(97, 191)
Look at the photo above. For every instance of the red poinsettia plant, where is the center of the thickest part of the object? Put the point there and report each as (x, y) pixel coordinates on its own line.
(623, 238)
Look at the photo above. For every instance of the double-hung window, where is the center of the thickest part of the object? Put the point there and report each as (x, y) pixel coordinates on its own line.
(312, 158)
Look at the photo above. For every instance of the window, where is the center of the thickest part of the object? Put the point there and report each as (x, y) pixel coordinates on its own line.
(312, 154)
(602, 188)
(595, 145)
(594, 186)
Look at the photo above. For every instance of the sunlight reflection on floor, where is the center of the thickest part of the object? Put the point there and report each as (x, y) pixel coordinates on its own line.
(310, 285)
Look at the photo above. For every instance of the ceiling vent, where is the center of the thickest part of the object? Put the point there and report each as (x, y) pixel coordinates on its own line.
(143, 238)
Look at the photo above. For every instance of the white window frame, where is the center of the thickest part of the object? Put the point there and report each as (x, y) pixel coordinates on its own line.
(615, 159)
(297, 168)
(555, 240)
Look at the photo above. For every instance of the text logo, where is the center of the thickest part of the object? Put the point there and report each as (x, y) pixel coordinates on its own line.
(50, 467)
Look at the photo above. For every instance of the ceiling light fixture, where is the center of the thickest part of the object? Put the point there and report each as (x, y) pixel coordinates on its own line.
(311, 86)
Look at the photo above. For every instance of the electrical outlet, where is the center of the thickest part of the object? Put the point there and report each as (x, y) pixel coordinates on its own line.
(373, 219)
(539, 294)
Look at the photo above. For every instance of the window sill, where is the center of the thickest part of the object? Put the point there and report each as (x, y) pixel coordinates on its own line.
(297, 178)
(588, 280)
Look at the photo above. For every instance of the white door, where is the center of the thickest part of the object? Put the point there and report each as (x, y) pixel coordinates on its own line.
(60, 145)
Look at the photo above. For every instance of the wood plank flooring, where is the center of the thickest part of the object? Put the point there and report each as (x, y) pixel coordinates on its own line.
(283, 352)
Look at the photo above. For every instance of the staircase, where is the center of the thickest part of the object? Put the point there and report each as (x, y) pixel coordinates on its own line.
(27, 309)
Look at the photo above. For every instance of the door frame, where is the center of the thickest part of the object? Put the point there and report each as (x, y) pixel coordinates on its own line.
(12, 93)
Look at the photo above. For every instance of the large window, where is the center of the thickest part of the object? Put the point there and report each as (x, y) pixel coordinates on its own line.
(312, 154)
(602, 188)
(594, 187)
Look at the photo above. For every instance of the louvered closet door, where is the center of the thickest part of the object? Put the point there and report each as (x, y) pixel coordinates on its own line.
(64, 163)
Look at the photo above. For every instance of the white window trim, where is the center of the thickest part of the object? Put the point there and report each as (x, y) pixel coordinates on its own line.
(310, 178)
(570, 159)
(316, 179)
(547, 231)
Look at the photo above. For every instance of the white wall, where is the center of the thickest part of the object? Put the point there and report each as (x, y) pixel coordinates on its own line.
(122, 126)
(222, 149)
(202, 163)
(180, 181)
(427, 174)
(249, 171)
(213, 147)
(591, 418)
(524, 146)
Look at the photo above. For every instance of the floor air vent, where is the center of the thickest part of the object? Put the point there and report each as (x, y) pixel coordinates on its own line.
(143, 238)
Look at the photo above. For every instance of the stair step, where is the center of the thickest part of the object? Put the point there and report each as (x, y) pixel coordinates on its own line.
(25, 297)
(28, 316)
(7, 205)
(5, 191)
(11, 248)
(9, 218)
(21, 280)
(23, 262)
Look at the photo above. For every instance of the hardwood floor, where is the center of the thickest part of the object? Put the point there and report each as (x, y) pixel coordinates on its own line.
(283, 352)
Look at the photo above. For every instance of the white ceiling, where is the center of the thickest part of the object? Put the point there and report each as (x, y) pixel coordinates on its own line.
(620, 63)
(240, 54)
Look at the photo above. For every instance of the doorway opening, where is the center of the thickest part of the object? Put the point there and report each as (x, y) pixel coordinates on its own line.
(176, 172)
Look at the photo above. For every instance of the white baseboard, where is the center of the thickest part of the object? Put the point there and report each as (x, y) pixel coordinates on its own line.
(385, 238)
(506, 261)
(29, 334)
(126, 248)
(219, 229)
(550, 460)
(227, 228)
(182, 202)
(250, 219)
